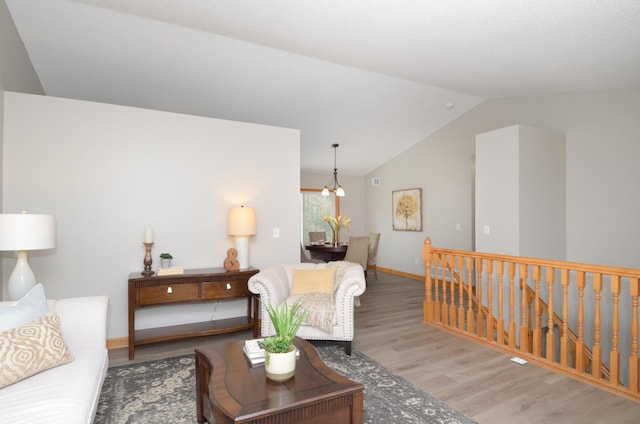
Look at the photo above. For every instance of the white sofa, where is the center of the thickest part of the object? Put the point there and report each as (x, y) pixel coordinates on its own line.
(69, 393)
(274, 284)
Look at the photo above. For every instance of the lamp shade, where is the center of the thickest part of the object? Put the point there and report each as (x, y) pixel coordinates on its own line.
(242, 222)
(23, 231)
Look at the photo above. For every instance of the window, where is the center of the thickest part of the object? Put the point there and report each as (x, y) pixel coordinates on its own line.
(313, 206)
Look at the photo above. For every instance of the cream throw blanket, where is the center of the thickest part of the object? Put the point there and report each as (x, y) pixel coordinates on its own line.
(320, 307)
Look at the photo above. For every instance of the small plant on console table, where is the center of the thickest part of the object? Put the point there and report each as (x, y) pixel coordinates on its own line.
(165, 260)
(280, 353)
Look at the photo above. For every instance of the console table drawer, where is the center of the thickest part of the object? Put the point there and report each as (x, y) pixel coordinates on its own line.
(168, 293)
(224, 289)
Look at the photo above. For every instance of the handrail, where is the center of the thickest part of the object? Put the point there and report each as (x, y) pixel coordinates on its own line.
(595, 308)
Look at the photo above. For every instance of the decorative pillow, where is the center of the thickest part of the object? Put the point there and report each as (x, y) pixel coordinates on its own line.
(312, 281)
(33, 305)
(32, 348)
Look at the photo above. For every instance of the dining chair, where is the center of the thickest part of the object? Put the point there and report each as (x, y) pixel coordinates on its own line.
(358, 251)
(317, 236)
(305, 256)
(374, 240)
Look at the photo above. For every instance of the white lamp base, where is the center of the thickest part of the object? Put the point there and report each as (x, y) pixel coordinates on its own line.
(242, 246)
(22, 278)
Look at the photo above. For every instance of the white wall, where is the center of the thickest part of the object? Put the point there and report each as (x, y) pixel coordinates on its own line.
(520, 192)
(498, 191)
(16, 73)
(106, 172)
(443, 171)
(543, 197)
(602, 149)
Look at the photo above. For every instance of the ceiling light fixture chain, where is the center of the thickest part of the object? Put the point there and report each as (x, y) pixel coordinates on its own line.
(337, 188)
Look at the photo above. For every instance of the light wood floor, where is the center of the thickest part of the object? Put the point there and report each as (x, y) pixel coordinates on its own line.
(478, 381)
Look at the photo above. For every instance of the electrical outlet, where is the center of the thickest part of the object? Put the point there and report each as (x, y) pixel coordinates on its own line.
(416, 261)
(276, 232)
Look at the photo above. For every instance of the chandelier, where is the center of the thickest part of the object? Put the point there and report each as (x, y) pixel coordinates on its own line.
(337, 188)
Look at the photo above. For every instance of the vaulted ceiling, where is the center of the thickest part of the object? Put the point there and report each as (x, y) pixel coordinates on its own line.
(375, 76)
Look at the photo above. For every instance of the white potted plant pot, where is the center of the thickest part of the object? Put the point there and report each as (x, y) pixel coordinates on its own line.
(280, 353)
(280, 366)
(165, 260)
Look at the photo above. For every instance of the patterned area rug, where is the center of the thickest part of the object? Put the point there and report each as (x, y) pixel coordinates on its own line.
(163, 391)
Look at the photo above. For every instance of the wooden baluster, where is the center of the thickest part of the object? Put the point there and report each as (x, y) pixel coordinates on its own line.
(564, 334)
(596, 352)
(427, 307)
(460, 261)
(445, 301)
(479, 318)
(634, 291)
(512, 301)
(524, 328)
(437, 288)
(614, 355)
(551, 350)
(580, 352)
(490, 318)
(470, 317)
(537, 329)
(452, 306)
(500, 323)
(436, 284)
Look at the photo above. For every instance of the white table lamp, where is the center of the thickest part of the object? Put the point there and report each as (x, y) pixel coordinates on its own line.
(242, 224)
(22, 232)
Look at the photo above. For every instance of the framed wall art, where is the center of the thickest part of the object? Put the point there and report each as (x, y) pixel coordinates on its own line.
(407, 209)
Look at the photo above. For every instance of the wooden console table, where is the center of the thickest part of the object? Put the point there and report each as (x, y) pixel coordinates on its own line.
(194, 286)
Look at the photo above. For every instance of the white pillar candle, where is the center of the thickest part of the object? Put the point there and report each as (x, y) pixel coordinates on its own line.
(148, 235)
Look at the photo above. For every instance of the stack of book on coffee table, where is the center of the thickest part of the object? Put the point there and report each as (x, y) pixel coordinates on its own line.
(254, 351)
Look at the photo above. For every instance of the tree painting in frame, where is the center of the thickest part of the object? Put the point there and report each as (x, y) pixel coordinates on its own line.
(407, 209)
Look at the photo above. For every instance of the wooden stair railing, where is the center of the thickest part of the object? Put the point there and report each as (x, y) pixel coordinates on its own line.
(501, 301)
(557, 323)
(543, 308)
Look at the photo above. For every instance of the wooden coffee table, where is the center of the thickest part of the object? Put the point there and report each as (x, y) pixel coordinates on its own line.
(229, 390)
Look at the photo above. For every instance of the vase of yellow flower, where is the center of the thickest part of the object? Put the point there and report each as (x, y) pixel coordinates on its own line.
(336, 224)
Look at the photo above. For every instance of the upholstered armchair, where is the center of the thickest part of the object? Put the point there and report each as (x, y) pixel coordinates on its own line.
(275, 285)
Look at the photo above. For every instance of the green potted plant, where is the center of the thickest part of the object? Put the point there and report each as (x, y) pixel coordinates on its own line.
(165, 260)
(280, 353)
